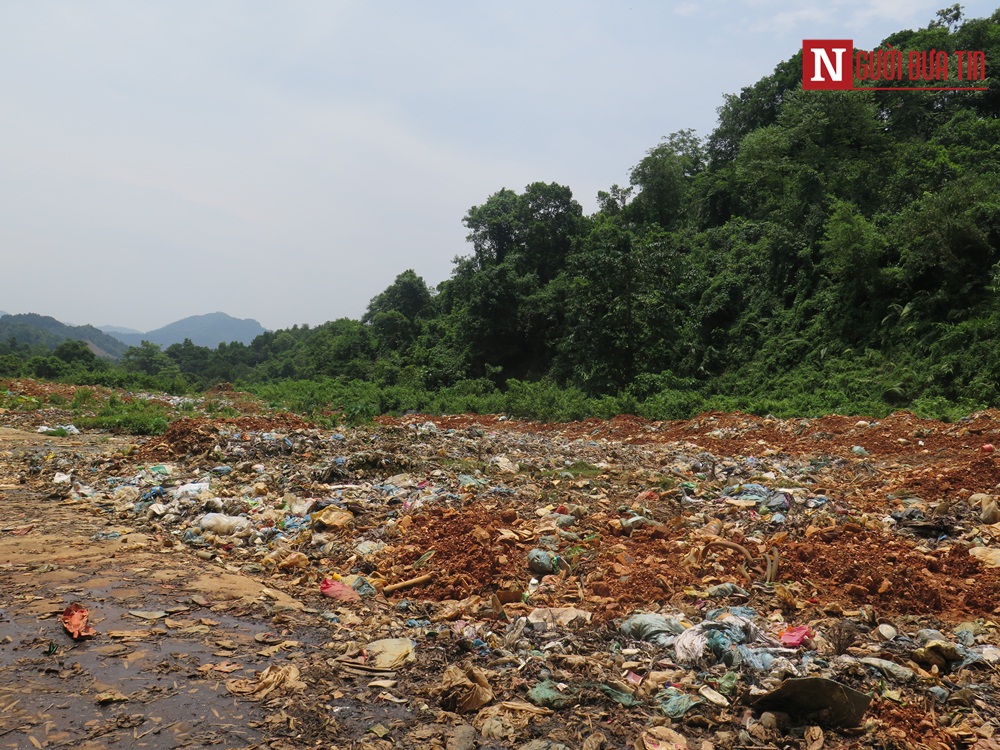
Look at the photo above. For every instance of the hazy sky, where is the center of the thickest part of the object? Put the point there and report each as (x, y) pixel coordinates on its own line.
(285, 160)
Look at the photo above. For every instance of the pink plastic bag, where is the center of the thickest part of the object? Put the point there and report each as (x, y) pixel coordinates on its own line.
(793, 637)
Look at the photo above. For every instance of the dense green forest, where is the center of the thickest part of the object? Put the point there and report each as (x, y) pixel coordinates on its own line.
(818, 251)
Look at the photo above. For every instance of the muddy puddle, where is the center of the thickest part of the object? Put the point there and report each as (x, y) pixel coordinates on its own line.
(146, 680)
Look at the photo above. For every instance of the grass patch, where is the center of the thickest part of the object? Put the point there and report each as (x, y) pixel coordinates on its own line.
(215, 408)
(134, 417)
(578, 469)
(84, 400)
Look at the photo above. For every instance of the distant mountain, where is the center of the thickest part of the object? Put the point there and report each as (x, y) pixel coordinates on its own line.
(117, 329)
(31, 328)
(204, 330)
(2, 313)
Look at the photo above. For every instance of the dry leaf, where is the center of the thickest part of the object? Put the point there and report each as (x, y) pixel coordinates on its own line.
(111, 696)
(146, 615)
(131, 634)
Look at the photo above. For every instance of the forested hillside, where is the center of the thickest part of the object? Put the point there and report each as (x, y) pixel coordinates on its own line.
(31, 332)
(817, 251)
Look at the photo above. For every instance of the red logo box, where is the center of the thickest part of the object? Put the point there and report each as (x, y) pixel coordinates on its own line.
(827, 64)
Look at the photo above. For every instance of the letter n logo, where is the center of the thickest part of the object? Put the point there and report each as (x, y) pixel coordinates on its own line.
(827, 64)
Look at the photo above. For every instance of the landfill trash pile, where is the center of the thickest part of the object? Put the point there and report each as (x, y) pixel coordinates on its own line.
(729, 581)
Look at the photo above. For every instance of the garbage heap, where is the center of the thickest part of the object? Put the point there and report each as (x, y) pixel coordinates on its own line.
(728, 581)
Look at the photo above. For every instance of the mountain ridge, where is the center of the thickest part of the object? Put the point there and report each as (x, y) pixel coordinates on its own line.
(112, 330)
(209, 329)
(110, 342)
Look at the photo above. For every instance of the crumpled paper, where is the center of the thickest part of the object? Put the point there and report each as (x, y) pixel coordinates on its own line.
(76, 620)
(272, 679)
(464, 689)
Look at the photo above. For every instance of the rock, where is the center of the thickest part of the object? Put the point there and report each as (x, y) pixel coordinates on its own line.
(543, 562)
(462, 737)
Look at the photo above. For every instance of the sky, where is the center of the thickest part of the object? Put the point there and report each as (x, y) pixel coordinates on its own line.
(285, 160)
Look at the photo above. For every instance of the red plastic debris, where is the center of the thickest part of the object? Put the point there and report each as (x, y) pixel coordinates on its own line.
(76, 620)
(337, 590)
